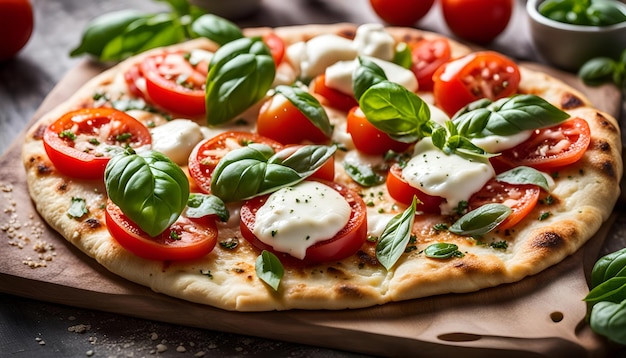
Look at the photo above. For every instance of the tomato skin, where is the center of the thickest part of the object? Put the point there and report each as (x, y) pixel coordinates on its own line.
(479, 21)
(16, 26)
(162, 72)
(87, 121)
(332, 97)
(402, 192)
(196, 237)
(483, 74)
(282, 121)
(401, 12)
(345, 243)
(206, 154)
(428, 55)
(520, 198)
(574, 131)
(369, 139)
(276, 46)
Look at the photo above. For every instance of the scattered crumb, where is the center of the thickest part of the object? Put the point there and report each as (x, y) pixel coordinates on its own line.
(160, 348)
(79, 328)
(181, 349)
(89, 353)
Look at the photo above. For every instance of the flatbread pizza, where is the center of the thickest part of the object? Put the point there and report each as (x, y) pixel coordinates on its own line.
(323, 167)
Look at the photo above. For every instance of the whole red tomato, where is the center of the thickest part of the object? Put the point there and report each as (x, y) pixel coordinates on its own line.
(479, 21)
(401, 12)
(16, 26)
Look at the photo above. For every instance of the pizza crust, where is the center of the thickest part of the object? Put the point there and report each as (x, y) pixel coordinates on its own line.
(226, 279)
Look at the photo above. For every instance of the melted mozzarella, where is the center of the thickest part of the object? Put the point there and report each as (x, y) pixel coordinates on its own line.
(295, 218)
(497, 143)
(450, 176)
(372, 40)
(339, 75)
(312, 57)
(176, 139)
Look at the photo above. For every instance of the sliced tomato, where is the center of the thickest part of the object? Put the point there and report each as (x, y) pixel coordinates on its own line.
(402, 192)
(520, 198)
(206, 154)
(483, 74)
(332, 97)
(282, 121)
(428, 55)
(551, 148)
(186, 239)
(81, 142)
(173, 83)
(345, 243)
(369, 139)
(276, 46)
(135, 81)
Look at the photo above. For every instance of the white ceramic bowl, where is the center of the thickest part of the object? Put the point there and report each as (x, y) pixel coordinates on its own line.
(570, 46)
(229, 9)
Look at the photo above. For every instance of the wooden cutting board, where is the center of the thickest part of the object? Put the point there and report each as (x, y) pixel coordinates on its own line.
(543, 314)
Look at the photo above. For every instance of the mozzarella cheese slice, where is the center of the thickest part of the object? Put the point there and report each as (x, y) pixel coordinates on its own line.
(176, 139)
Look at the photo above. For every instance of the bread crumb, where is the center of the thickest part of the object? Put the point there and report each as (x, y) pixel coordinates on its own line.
(160, 348)
(181, 349)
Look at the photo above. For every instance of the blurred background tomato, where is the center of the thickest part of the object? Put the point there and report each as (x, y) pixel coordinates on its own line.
(16, 26)
(401, 12)
(479, 21)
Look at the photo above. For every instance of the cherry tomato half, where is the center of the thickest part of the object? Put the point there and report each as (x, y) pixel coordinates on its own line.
(402, 192)
(332, 97)
(484, 74)
(16, 26)
(551, 148)
(345, 243)
(520, 198)
(186, 239)
(276, 46)
(369, 139)
(282, 121)
(479, 21)
(173, 83)
(206, 154)
(79, 144)
(401, 12)
(428, 55)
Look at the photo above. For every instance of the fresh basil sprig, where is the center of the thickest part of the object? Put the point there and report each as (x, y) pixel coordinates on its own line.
(608, 296)
(481, 220)
(367, 74)
(148, 187)
(396, 236)
(200, 205)
(240, 74)
(218, 29)
(307, 105)
(604, 69)
(364, 174)
(269, 269)
(506, 116)
(524, 175)
(396, 111)
(583, 12)
(442, 250)
(255, 170)
(403, 56)
(449, 141)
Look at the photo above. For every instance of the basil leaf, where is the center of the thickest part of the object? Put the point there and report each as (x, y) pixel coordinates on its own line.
(240, 74)
(253, 170)
(395, 237)
(524, 175)
(180, 7)
(309, 106)
(305, 159)
(396, 111)
(403, 56)
(442, 250)
(608, 266)
(216, 29)
(604, 13)
(78, 208)
(367, 74)
(481, 220)
(105, 28)
(269, 269)
(149, 188)
(363, 174)
(609, 319)
(613, 290)
(508, 116)
(597, 70)
(144, 34)
(200, 205)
